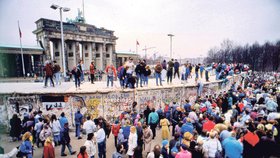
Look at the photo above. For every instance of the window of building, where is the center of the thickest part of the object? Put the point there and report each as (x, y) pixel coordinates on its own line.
(56, 54)
(107, 55)
(106, 48)
(97, 55)
(86, 47)
(56, 45)
(86, 55)
(70, 54)
(70, 46)
(96, 48)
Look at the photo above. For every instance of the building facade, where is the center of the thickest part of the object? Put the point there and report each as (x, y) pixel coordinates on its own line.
(82, 42)
(11, 60)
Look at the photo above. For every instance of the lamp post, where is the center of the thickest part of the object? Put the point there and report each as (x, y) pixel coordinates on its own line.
(170, 35)
(64, 9)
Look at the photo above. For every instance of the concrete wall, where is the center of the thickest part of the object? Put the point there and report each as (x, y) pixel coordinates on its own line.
(109, 104)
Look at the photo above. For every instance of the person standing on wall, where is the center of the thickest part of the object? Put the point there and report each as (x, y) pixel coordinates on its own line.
(129, 72)
(76, 72)
(111, 73)
(176, 68)
(170, 71)
(92, 71)
(80, 66)
(49, 74)
(158, 69)
(56, 70)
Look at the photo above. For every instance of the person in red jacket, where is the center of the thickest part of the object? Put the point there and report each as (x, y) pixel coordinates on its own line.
(111, 73)
(115, 131)
(209, 124)
(49, 74)
(48, 148)
(82, 153)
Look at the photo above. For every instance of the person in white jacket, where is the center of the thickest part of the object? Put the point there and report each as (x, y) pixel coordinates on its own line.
(89, 126)
(56, 128)
(90, 145)
(212, 145)
(132, 141)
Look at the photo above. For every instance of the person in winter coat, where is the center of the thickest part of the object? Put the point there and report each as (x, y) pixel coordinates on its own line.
(76, 72)
(83, 153)
(49, 74)
(155, 153)
(147, 136)
(232, 147)
(115, 131)
(164, 149)
(212, 145)
(65, 140)
(164, 123)
(78, 123)
(158, 69)
(90, 146)
(26, 148)
(15, 124)
(111, 73)
(147, 73)
(55, 126)
(92, 71)
(132, 141)
(48, 151)
(118, 153)
(45, 133)
(184, 153)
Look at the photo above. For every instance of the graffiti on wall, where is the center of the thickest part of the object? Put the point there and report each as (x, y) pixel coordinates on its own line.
(21, 105)
(115, 103)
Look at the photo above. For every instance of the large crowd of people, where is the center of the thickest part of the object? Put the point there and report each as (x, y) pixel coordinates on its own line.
(131, 75)
(240, 122)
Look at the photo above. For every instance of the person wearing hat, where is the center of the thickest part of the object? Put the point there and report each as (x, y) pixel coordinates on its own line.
(184, 153)
(164, 149)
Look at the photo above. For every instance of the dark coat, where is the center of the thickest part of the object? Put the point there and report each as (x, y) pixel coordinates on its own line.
(15, 127)
(64, 134)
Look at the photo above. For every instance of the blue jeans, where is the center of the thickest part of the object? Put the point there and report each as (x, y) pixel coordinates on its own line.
(141, 78)
(110, 79)
(101, 149)
(56, 138)
(77, 81)
(78, 130)
(122, 81)
(57, 78)
(158, 77)
(127, 83)
(82, 76)
(138, 76)
(63, 148)
(146, 79)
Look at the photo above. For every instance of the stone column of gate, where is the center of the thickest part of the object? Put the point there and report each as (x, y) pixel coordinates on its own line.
(110, 52)
(77, 52)
(74, 55)
(93, 53)
(104, 55)
(90, 53)
(100, 51)
(60, 55)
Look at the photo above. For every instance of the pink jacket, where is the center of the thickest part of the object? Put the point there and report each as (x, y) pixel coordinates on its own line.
(183, 154)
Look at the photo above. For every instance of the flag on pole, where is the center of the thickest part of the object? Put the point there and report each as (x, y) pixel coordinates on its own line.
(20, 35)
(137, 43)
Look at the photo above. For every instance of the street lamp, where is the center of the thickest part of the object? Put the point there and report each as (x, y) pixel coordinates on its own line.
(64, 9)
(170, 35)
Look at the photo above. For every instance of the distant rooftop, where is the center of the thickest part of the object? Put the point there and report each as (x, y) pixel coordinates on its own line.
(126, 52)
(18, 47)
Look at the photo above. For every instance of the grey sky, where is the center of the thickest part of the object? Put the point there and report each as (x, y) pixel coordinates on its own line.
(197, 25)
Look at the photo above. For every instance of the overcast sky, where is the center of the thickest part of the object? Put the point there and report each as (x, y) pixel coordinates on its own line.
(198, 25)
